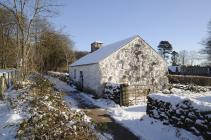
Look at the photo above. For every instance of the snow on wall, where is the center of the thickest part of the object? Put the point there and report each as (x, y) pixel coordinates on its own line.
(91, 76)
(190, 114)
(135, 64)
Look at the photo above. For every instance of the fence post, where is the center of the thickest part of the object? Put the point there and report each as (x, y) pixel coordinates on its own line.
(16, 76)
(1, 87)
(121, 92)
(2, 84)
(136, 88)
(4, 80)
(12, 77)
(8, 79)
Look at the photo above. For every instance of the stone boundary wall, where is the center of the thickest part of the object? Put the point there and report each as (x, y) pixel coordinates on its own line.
(190, 70)
(195, 70)
(195, 80)
(112, 91)
(192, 115)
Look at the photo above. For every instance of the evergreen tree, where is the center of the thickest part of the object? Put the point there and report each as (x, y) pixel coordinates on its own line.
(164, 49)
(174, 58)
(207, 49)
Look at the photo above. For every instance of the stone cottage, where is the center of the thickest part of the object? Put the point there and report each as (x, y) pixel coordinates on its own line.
(130, 61)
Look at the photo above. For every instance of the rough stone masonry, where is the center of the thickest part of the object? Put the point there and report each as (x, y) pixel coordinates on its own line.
(180, 112)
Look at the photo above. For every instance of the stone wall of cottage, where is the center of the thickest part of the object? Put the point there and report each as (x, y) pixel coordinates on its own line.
(91, 77)
(135, 64)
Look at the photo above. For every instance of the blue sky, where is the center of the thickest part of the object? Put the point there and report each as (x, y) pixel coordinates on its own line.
(181, 22)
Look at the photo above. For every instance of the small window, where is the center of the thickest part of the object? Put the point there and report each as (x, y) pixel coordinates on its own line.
(137, 45)
(74, 74)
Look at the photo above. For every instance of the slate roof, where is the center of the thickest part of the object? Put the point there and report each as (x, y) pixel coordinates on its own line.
(102, 53)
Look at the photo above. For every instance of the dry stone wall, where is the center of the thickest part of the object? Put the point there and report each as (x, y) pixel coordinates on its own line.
(190, 79)
(112, 91)
(195, 70)
(191, 115)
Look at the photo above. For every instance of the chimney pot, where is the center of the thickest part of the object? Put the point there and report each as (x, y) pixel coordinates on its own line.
(96, 45)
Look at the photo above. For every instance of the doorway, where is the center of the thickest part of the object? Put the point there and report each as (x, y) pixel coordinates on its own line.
(81, 80)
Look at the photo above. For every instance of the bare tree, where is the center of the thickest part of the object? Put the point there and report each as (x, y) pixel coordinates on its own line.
(194, 57)
(183, 56)
(67, 47)
(54, 51)
(79, 54)
(7, 27)
(25, 12)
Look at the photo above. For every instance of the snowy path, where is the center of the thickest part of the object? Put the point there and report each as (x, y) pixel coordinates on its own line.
(133, 118)
(98, 115)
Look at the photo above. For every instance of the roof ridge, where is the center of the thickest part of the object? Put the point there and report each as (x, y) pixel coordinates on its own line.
(103, 52)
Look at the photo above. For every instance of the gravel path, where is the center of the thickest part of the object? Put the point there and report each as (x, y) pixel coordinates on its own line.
(102, 119)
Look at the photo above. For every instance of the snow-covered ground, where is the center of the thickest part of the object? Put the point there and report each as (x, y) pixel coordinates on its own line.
(15, 108)
(9, 117)
(136, 120)
(57, 73)
(204, 96)
(64, 87)
(133, 117)
(4, 71)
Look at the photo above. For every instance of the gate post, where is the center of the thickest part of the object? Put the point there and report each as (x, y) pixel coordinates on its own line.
(1, 87)
(124, 101)
(12, 77)
(121, 92)
(9, 77)
(4, 81)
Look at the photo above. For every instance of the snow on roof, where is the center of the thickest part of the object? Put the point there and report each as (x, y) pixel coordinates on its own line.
(102, 53)
(97, 41)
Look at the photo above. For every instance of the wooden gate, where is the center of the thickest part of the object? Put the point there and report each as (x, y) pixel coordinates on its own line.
(133, 94)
